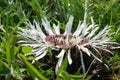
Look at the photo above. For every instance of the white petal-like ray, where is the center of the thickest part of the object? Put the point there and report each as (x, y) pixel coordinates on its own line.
(92, 32)
(83, 28)
(82, 61)
(56, 68)
(95, 56)
(68, 28)
(30, 24)
(115, 47)
(46, 25)
(44, 49)
(61, 53)
(33, 45)
(69, 57)
(56, 28)
(78, 30)
(41, 56)
(59, 63)
(84, 50)
(101, 33)
(97, 50)
(103, 49)
(40, 31)
(91, 26)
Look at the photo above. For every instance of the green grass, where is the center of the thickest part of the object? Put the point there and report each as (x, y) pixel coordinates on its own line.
(15, 66)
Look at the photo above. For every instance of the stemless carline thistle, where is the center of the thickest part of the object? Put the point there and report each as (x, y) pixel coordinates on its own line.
(84, 36)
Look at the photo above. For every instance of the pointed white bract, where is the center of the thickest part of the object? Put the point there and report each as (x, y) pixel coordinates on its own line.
(83, 39)
(69, 57)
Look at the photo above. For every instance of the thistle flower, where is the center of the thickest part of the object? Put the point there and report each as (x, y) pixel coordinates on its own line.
(82, 39)
(85, 36)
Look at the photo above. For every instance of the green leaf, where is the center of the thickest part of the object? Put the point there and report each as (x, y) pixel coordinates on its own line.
(4, 68)
(64, 66)
(31, 69)
(26, 49)
(76, 76)
(62, 75)
(30, 58)
(8, 54)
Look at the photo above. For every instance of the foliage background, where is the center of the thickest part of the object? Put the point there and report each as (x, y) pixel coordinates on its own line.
(15, 66)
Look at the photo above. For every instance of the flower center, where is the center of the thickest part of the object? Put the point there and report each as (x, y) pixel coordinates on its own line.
(84, 40)
(60, 40)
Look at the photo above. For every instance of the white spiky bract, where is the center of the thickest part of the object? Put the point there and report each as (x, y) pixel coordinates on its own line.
(84, 36)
